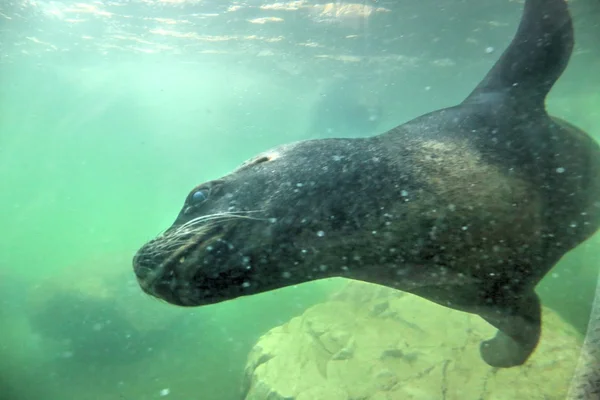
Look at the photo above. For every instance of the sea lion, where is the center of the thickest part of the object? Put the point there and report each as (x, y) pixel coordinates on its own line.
(467, 206)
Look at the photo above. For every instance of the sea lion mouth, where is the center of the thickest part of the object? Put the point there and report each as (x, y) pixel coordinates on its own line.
(168, 263)
(166, 267)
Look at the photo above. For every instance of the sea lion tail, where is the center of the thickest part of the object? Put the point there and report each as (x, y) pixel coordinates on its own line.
(536, 57)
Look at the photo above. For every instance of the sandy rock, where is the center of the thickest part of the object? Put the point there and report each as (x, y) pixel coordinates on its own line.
(373, 343)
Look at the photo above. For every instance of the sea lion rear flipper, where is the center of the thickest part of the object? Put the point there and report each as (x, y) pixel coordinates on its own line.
(535, 59)
(519, 328)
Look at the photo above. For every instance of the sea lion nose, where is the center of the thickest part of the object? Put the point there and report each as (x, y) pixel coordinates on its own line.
(142, 273)
(139, 270)
(152, 279)
(143, 267)
(151, 283)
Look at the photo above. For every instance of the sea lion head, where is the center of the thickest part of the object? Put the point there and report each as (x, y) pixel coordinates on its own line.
(285, 217)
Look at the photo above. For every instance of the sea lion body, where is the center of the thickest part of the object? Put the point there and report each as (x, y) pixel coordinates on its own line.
(468, 206)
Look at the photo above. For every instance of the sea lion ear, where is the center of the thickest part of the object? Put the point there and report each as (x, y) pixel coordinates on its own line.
(261, 158)
(534, 60)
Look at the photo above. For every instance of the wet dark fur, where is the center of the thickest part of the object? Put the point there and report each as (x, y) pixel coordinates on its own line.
(468, 206)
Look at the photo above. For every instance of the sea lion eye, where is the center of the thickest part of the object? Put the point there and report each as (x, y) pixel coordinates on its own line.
(199, 196)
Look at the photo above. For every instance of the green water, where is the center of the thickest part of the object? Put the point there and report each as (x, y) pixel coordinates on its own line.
(91, 171)
(98, 150)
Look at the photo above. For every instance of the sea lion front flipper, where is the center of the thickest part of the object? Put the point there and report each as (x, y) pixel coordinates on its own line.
(519, 328)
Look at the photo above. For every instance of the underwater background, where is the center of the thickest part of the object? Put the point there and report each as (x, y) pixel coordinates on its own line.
(111, 111)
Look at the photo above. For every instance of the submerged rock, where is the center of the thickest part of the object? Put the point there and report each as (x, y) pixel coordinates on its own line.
(95, 313)
(374, 343)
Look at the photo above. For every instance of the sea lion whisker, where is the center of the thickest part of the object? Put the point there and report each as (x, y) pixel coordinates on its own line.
(181, 251)
(177, 242)
(223, 215)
